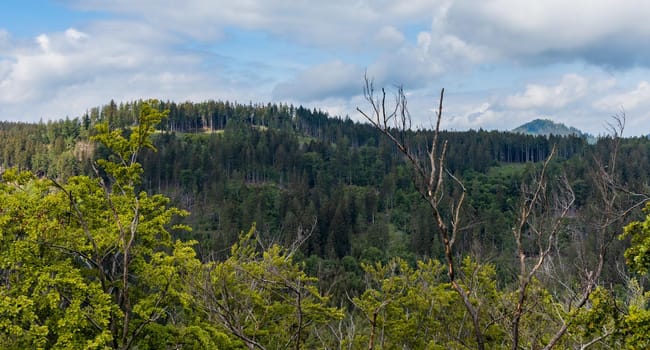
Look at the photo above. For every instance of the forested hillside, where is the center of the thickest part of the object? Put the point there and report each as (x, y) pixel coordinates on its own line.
(547, 127)
(296, 229)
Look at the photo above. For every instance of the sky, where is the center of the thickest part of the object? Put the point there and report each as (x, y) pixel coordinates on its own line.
(501, 62)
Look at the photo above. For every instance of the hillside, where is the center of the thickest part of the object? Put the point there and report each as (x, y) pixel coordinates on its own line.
(340, 189)
(546, 127)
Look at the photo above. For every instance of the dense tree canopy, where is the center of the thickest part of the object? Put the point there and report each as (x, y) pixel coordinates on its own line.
(107, 244)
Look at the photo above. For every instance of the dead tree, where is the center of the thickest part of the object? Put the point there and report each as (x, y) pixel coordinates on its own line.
(541, 216)
(613, 204)
(430, 175)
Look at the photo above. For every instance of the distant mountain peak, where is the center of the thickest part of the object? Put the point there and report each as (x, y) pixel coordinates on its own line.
(547, 127)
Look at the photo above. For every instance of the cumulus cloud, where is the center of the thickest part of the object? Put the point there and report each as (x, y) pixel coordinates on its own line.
(571, 88)
(43, 42)
(330, 24)
(416, 65)
(574, 99)
(65, 73)
(629, 100)
(331, 79)
(74, 35)
(57, 60)
(475, 116)
(319, 52)
(389, 37)
(606, 32)
(603, 32)
(409, 66)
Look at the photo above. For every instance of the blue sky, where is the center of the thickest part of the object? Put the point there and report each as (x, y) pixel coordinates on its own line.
(501, 62)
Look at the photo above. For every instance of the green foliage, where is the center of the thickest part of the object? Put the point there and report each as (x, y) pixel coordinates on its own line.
(262, 298)
(602, 313)
(405, 307)
(95, 261)
(90, 264)
(47, 299)
(124, 168)
(635, 326)
(638, 255)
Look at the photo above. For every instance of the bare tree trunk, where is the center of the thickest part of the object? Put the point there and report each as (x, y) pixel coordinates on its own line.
(536, 202)
(616, 202)
(429, 180)
(373, 324)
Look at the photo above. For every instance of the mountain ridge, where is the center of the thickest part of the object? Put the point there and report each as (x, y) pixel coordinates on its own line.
(547, 127)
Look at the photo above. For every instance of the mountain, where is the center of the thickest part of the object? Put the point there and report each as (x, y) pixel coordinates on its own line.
(547, 127)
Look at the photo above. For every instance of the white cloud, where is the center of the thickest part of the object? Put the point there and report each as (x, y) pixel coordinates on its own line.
(65, 73)
(475, 117)
(331, 79)
(418, 64)
(330, 24)
(411, 66)
(43, 42)
(639, 97)
(606, 32)
(389, 37)
(461, 34)
(160, 48)
(571, 88)
(74, 35)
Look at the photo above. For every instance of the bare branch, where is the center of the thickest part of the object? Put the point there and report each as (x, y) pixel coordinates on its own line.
(429, 181)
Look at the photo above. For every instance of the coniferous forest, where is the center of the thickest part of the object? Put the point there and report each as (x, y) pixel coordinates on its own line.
(219, 225)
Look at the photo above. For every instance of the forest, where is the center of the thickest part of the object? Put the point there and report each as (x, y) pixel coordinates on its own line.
(220, 225)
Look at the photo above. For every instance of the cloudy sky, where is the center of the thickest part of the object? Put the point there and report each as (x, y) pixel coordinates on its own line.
(501, 62)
